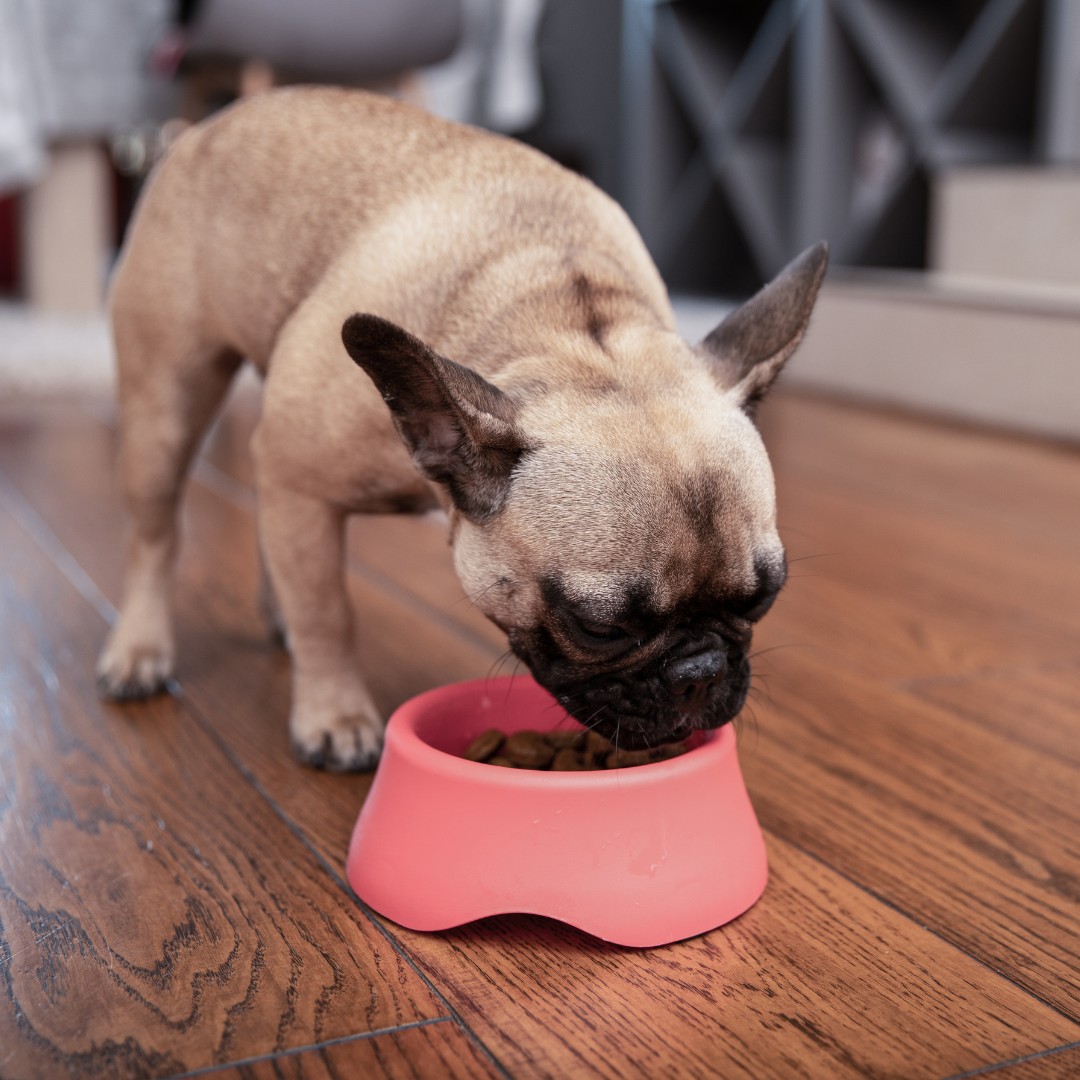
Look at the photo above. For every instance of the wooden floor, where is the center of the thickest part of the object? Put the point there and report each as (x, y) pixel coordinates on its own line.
(172, 896)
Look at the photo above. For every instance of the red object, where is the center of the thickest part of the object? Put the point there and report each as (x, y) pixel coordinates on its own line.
(168, 53)
(10, 276)
(640, 856)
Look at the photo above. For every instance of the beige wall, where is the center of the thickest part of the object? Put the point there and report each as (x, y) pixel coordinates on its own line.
(948, 349)
(1008, 223)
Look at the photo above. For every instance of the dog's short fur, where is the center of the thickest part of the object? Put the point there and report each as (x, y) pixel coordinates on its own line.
(611, 504)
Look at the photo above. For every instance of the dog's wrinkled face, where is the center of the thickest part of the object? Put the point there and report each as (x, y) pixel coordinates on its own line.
(628, 574)
(623, 535)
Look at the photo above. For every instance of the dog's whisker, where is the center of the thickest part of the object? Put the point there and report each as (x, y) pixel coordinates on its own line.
(496, 664)
(513, 675)
(569, 699)
(474, 599)
(746, 720)
(776, 648)
(762, 693)
(588, 724)
(817, 555)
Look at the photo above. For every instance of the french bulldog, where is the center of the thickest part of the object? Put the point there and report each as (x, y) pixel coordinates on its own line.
(446, 317)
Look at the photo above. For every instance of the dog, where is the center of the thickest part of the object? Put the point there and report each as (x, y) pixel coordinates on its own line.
(446, 317)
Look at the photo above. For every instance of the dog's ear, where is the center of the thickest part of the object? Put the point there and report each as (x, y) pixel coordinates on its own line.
(752, 344)
(459, 428)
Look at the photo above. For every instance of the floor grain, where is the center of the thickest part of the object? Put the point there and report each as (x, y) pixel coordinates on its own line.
(435, 1050)
(911, 750)
(156, 917)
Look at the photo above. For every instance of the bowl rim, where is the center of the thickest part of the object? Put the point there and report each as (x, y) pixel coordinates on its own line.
(403, 740)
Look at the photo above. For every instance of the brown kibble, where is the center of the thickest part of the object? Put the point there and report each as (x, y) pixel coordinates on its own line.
(571, 760)
(667, 751)
(563, 740)
(485, 746)
(624, 759)
(562, 751)
(528, 749)
(597, 745)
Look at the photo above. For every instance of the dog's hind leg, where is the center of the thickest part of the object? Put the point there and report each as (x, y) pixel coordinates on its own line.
(169, 391)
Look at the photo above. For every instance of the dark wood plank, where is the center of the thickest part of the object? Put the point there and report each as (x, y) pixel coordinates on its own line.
(433, 1050)
(1036, 706)
(1055, 1065)
(816, 980)
(921, 550)
(896, 595)
(227, 664)
(775, 984)
(970, 832)
(157, 916)
(979, 480)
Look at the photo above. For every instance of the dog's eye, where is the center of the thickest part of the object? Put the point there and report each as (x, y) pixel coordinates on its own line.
(593, 633)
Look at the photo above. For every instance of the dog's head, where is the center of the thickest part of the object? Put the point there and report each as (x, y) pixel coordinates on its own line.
(620, 528)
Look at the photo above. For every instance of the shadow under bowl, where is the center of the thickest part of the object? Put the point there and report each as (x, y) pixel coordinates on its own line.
(638, 856)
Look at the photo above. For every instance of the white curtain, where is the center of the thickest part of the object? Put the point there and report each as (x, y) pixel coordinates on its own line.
(70, 69)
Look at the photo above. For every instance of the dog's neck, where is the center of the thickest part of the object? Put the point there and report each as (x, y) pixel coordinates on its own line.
(539, 302)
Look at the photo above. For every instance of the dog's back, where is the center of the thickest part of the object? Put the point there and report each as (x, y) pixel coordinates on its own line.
(249, 211)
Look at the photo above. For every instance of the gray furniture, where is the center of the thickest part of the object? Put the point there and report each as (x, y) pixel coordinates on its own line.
(753, 129)
(330, 40)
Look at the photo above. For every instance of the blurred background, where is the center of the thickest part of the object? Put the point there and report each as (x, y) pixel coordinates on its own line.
(934, 143)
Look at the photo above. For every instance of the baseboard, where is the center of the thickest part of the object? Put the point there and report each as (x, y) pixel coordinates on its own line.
(1007, 356)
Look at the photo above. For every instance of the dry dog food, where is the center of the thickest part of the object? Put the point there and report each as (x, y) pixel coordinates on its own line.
(561, 751)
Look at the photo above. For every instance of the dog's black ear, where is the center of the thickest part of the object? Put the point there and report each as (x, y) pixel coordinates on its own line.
(459, 428)
(752, 344)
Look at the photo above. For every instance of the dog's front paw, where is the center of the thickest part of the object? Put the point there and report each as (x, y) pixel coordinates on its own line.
(343, 744)
(137, 661)
(350, 744)
(345, 736)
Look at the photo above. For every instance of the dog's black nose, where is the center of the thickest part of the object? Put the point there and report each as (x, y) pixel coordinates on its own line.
(689, 678)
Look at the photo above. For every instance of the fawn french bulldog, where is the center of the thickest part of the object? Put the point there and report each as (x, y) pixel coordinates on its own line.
(445, 316)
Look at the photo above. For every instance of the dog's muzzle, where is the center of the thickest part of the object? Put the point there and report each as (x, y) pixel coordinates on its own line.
(700, 684)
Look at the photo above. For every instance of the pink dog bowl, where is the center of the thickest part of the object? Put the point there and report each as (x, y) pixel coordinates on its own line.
(638, 856)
